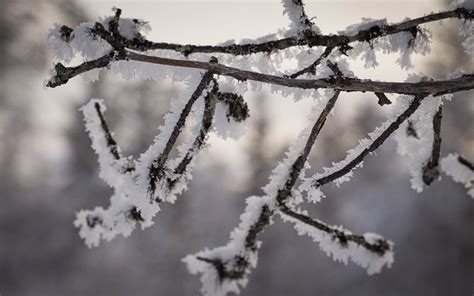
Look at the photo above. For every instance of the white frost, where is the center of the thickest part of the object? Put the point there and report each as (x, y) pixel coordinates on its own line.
(111, 170)
(57, 44)
(403, 43)
(295, 13)
(459, 172)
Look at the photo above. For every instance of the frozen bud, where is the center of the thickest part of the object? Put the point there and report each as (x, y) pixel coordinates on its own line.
(238, 109)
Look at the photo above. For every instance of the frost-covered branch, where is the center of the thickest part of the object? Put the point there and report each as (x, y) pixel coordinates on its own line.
(131, 28)
(367, 146)
(298, 165)
(312, 68)
(140, 186)
(226, 268)
(130, 203)
(427, 168)
(211, 100)
(370, 251)
(464, 82)
(380, 247)
(110, 158)
(366, 35)
(110, 141)
(61, 74)
(133, 201)
(420, 141)
(157, 168)
(431, 168)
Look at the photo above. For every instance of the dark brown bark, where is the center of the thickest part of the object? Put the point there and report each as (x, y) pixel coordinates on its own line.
(431, 168)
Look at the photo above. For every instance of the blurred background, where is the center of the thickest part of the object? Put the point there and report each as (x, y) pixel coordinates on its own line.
(48, 170)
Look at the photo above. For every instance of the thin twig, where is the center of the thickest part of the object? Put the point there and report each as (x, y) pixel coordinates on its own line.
(284, 193)
(62, 74)
(431, 169)
(466, 163)
(111, 143)
(343, 238)
(312, 68)
(383, 100)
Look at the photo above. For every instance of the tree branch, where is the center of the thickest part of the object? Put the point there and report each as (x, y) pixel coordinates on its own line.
(466, 163)
(136, 198)
(62, 74)
(309, 39)
(431, 169)
(383, 100)
(311, 69)
(380, 247)
(439, 87)
(111, 143)
(210, 102)
(157, 169)
(348, 84)
(284, 193)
